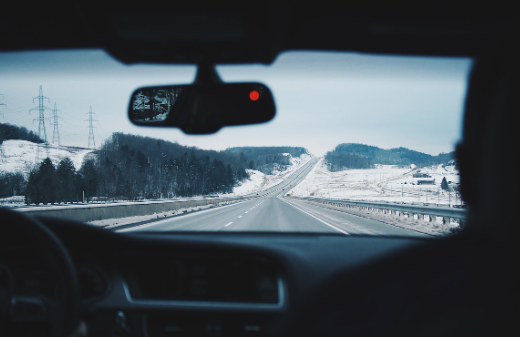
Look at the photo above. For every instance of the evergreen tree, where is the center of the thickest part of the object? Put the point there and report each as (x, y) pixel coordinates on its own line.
(68, 190)
(41, 185)
(47, 177)
(33, 190)
(444, 184)
(89, 179)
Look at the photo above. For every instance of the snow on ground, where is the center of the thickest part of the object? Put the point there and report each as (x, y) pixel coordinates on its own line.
(18, 200)
(433, 227)
(259, 181)
(116, 222)
(253, 184)
(20, 155)
(384, 183)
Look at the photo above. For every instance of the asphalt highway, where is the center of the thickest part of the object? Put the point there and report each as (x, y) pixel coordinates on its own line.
(273, 211)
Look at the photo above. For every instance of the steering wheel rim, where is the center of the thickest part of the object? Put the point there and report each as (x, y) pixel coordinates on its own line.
(63, 307)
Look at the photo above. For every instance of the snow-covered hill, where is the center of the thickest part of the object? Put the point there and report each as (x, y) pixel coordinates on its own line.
(259, 181)
(20, 155)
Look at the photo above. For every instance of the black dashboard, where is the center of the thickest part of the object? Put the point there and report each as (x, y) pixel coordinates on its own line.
(200, 284)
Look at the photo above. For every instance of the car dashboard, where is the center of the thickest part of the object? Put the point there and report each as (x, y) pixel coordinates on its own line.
(196, 283)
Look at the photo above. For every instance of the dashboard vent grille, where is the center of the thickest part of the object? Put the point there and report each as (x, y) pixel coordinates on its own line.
(208, 279)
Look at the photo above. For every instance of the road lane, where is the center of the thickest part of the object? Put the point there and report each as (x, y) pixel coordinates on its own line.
(207, 220)
(351, 223)
(273, 213)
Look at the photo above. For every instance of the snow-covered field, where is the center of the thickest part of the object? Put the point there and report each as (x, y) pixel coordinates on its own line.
(385, 183)
(259, 181)
(20, 155)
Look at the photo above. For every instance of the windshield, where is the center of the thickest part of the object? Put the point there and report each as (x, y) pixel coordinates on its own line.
(360, 145)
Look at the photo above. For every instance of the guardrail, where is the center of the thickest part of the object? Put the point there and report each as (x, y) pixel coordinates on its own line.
(398, 209)
(86, 213)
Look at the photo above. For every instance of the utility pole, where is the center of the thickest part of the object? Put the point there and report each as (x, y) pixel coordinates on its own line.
(1, 105)
(91, 127)
(41, 120)
(56, 131)
(2, 155)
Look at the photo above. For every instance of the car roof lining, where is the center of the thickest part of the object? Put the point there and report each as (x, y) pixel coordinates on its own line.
(196, 33)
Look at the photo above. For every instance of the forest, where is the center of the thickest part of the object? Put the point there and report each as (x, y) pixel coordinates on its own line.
(143, 167)
(49, 183)
(130, 167)
(267, 159)
(360, 156)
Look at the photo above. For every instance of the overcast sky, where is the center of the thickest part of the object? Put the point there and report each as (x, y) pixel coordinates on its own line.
(322, 99)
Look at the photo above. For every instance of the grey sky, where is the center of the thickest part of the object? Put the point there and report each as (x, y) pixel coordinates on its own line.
(322, 99)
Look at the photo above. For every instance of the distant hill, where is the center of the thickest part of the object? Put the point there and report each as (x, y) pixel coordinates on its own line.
(268, 159)
(9, 131)
(353, 155)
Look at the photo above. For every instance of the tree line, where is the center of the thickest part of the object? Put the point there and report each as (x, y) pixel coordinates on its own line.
(49, 183)
(267, 159)
(12, 184)
(8, 131)
(142, 167)
(361, 156)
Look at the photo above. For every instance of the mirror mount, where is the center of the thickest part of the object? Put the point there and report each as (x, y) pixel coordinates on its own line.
(207, 75)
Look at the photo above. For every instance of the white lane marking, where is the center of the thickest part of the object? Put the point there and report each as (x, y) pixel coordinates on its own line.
(347, 223)
(320, 220)
(229, 223)
(361, 229)
(180, 216)
(239, 216)
(247, 211)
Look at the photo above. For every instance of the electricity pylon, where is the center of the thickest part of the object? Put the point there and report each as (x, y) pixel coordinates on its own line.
(91, 127)
(41, 120)
(56, 131)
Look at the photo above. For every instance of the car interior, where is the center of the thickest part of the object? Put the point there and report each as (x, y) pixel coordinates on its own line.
(87, 281)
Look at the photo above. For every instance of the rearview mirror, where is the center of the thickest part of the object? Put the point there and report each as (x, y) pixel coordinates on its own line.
(202, 109)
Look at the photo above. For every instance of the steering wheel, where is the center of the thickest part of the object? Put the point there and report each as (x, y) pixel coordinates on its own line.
(54, 313)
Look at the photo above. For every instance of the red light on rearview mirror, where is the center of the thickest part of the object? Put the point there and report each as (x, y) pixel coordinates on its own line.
(254, 95)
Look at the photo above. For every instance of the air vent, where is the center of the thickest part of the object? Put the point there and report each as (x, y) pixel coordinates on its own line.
(207, 279)
(92, 283)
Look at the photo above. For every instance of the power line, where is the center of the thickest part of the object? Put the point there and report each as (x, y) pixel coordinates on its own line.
(91, 127)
